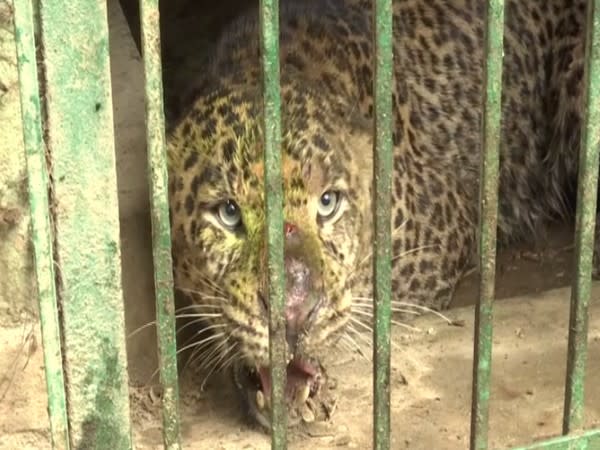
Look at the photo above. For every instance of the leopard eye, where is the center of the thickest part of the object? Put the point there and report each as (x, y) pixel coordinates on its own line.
(328, 204)
(229, 214)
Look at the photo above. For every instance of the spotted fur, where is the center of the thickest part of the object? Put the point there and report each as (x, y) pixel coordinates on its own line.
(215, 153)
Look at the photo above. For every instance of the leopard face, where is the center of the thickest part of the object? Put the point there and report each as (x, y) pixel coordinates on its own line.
(216, 169)
(220, 233)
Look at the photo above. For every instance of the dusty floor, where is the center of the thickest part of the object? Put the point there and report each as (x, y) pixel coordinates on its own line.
(431, 374)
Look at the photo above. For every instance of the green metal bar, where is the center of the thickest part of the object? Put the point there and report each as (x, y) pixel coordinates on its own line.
(81, 148)
(488, 215)
(583, 441)
(161, 232)
(584, 226)
(382, 244)
(269, 26)
(41, 229)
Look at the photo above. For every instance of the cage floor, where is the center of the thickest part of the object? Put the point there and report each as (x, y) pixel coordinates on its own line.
(431, 372)
(431, 375)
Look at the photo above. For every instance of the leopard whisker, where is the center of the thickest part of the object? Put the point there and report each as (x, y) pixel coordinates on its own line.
(200, 352)
(354, 346)
(214, 366)
(199, 314)
(207, 282)
(395, 230)
(343, 344)
(369, 309)
(407, 305)
(177, 316)
(196, 306)
(203, 329)
(201, 342)
(227, 363)
(213, 353)
(202, 294)
(412, 250)
(370, 329)
(212, 360)
(362, 324)
(366, 339)
(143, 327)
(393, 258)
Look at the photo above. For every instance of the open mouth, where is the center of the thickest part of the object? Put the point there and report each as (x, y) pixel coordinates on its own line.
(304, 381)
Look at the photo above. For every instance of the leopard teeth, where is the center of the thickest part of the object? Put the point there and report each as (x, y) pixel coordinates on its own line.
(260, 400)
(302, 395)
(308, 416)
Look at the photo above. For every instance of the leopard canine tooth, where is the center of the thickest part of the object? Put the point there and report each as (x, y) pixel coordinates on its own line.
(260, 400)
(308, 415)
(302, 394)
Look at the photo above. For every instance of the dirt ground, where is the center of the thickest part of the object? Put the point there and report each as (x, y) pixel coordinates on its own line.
(431, 373)
(431, 367)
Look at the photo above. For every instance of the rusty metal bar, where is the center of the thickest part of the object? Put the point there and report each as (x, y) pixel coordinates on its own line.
(269, 38)
(161, 230)
(37, 178)
(488, 216)
(80, 142)
(584, 226)
(382, 245)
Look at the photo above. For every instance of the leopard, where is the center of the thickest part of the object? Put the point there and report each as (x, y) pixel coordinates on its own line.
(216, 169)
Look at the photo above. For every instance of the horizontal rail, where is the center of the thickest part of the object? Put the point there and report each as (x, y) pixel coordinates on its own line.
(581, 441)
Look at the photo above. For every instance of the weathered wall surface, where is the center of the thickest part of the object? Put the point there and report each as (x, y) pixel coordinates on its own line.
(17, 283)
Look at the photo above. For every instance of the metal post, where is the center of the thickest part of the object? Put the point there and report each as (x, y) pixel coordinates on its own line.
(161, 231)
(87, 250)
(488, 215)
(584, 226)
(269, 26)
(41, 228)
(382, 245)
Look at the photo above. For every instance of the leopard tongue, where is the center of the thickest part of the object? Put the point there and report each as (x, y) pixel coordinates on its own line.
(299, 374)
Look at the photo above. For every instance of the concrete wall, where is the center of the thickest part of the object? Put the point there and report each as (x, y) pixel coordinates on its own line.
(17, 282)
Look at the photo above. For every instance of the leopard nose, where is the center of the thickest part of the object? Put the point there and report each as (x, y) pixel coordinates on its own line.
(301, 299)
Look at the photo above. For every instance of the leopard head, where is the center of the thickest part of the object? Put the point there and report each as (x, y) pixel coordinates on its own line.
(219, 230)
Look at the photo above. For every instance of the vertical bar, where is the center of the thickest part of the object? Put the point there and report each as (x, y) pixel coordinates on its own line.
(382, 244)
(488, 216)
(80, 143)
(37, 178)
(269, 29)
(161, 233)
(585, 222)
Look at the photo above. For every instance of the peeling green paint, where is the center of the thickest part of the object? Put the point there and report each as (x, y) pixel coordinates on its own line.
(80, 141)
(41, 229)
(161, 231)
(584, 226)
(269, 27)
(488, 218)
(87, 251)
(584, 441)
(382, 244)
